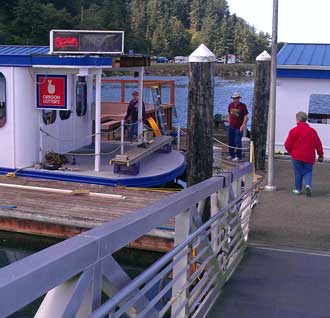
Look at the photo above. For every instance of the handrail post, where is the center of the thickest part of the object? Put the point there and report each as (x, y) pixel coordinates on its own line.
(237, 189)
(178, 138)
(182, 230)
(122, 91)
(122, 132)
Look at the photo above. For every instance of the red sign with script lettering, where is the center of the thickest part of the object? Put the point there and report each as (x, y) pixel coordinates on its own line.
(66, 42)
(52, 91)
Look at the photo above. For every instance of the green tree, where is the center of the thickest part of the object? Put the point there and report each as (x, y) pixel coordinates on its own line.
(179, 41)
(91, 18)
(138, 36)
(197, 14)
(33, 21)
(168, 27)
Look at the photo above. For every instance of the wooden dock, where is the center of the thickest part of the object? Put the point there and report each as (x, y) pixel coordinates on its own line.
(69, 212)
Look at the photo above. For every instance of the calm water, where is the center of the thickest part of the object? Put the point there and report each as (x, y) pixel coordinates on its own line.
(223, 89)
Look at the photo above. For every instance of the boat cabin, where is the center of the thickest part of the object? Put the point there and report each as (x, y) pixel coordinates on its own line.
(60, 107)
(303, 84)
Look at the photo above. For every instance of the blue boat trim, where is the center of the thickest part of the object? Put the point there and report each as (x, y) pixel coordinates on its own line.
(26, 56)
(303, 73)
(143, 182)
(28, 61)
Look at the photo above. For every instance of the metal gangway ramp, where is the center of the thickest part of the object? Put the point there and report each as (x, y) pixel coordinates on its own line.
(77, 274)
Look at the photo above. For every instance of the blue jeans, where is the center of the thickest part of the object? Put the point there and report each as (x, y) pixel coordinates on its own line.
(302, 171)
(132, 131)
(235, 140)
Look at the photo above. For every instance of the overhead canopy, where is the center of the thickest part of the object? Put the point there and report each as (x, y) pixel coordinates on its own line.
(26, 56)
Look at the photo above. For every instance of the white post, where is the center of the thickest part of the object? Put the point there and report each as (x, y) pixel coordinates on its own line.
(180, 294)
(178, 138)
(122, 126)
(251, 152)
(140, 117)
(98, 120)
(56, 300)
(41, 137)
(272, 104)
(90, 98)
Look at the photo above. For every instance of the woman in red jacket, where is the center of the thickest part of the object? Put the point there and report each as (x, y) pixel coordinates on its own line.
(301, 144)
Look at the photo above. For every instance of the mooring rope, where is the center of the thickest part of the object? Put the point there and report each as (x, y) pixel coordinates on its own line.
(84, 154)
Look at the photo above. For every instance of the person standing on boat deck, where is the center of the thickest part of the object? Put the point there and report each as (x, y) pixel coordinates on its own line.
(237, 118)
(301, 144)
(132, 115)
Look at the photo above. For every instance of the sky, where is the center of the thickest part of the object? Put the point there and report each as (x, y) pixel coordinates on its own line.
(299, 21)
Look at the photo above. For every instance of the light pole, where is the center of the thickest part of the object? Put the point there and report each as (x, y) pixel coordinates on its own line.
(272, 103)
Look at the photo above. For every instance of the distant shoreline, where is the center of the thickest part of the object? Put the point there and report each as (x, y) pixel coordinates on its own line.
(167, 69)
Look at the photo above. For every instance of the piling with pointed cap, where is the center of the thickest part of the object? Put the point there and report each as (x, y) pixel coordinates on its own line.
(260, 108)
(200, 115)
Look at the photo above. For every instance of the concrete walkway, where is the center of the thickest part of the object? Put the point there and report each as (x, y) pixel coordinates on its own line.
(277, 284)
(284, 219)
(286, 270)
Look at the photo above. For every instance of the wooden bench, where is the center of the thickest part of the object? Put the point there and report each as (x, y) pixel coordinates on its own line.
(109, 126)
(129, 162)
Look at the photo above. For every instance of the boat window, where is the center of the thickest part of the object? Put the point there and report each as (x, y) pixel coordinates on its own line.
(3, 111)
(49, 116)
(81, 96)
(65, 114)
(319, 109)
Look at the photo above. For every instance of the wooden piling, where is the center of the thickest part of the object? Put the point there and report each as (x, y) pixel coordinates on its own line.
(260, 108)
(200, 115)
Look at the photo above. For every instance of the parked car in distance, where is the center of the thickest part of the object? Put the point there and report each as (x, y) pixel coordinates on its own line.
(180, 59)
(162, 59)
(221, 60)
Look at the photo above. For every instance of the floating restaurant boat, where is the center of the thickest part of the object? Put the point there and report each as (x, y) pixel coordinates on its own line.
(51, 110)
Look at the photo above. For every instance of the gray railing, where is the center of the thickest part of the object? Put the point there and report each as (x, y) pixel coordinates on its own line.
(183, 283)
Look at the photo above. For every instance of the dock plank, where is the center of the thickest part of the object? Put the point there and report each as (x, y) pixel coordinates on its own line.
(68, 214)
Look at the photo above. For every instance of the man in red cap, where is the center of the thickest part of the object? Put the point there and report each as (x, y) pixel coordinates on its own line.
(237, 118)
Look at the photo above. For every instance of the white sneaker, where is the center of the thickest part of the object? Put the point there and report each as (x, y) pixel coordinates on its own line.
(236, 159)
(229, 158)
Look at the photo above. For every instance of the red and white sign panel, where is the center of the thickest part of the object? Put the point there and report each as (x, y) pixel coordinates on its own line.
(52, 92)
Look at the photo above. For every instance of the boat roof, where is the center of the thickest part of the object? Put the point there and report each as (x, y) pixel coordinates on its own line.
(304, 60)
(304, 54)
(23, 50)
(32, 56)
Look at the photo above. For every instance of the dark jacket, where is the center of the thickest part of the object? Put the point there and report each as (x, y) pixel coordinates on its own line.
(132, 111)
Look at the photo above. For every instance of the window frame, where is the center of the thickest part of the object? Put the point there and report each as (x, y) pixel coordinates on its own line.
(51, 118)
(3, 101)
(318, 117)
(81, 97)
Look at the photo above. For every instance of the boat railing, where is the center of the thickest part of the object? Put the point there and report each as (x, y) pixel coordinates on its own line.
(123, 84)
(210, 236)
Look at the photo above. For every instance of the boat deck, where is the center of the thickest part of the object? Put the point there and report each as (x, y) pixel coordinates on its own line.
(156, 169)
(63, 215)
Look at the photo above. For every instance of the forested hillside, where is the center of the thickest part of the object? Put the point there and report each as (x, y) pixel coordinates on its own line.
(155, 27)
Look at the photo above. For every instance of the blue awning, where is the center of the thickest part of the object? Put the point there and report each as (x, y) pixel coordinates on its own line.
(25, 56)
